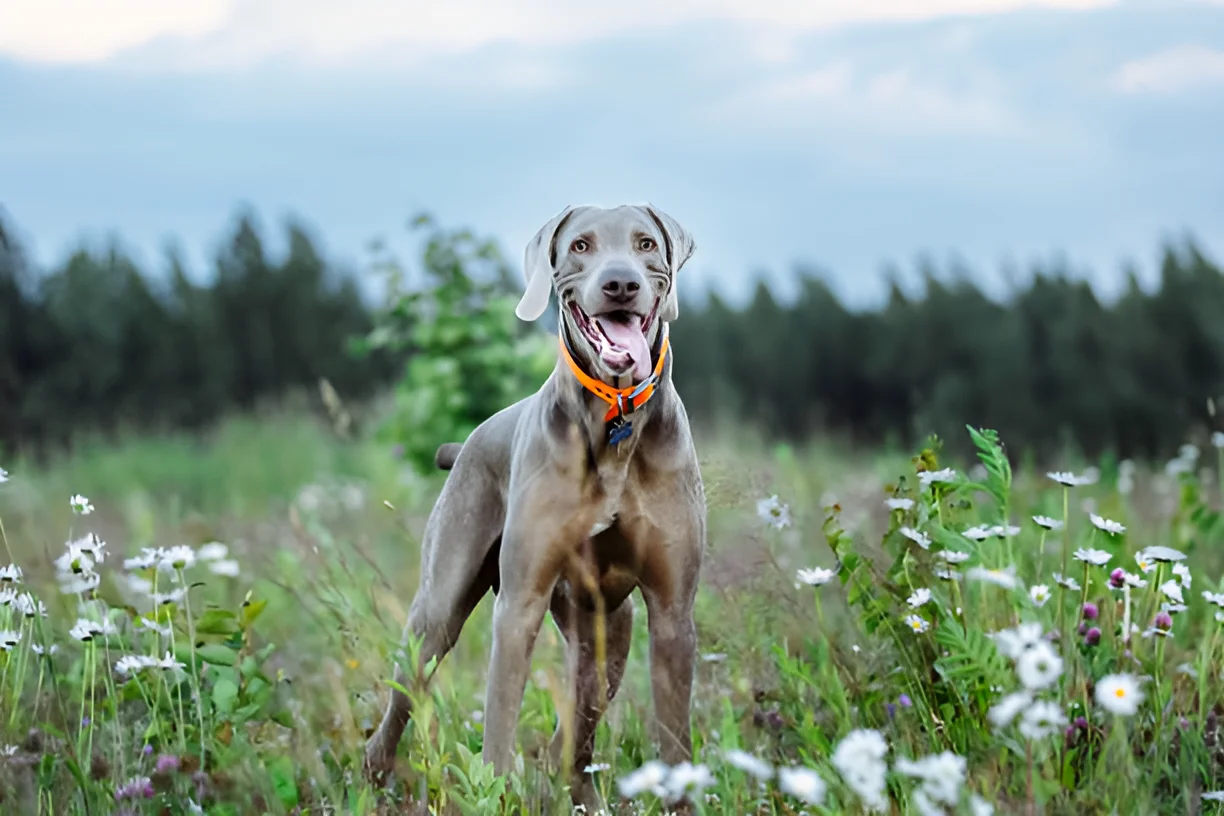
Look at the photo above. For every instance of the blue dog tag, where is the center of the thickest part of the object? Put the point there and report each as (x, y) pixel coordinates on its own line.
(621, 430)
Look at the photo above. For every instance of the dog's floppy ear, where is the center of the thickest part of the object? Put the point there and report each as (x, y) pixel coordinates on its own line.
(538, 267)
(679, 246)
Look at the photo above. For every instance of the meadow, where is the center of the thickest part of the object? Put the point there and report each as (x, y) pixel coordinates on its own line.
(207, 624)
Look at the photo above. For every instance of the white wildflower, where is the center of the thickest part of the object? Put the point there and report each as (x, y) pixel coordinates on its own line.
(1068, 479)
(917, 537)
(899, 504)
(1097, 558)
(1216, 598)
(1042, 719)
(1005, 531)
(1004, 711)
(134, 664)
(979, 806)
(74, 561)
(1144, 563)
(1217, 439)
(1215, 796)
(803, 784)
(169, 662)
(749, 764)
(212, 551)
(597, 767)
(1182, 572)
(1173, 591)
(920, 597)
(859, 758)
(1040, 593)
(153, 626)
(71, 584)
(1047, 522)
(80, 505)
(952, 556)
(917, 623)
(149, 557)
(817, 576)
(1165, 555)
(945, 574)
(8, 751)
(29, 606)
(163, 598)
(929, 477)
(39, 650)
(226, 567)
(942, 775)
(774, 513)
(1039, 666)
(1014, 642)
(647, 779)
(1066, 582)
(177, 558)
(10, 574)
(1005, 577)
(687, 778)
(9, 639)
(978, 533)
(1119, 694)
(1108, 525)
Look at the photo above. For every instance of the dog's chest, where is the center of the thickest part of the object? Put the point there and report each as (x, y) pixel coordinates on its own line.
(613, 487)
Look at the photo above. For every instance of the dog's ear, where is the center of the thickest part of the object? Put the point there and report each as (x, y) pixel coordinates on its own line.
(679, 247)
(538, 267)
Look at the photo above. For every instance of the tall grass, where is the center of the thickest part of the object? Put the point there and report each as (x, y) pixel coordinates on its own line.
(876, 633)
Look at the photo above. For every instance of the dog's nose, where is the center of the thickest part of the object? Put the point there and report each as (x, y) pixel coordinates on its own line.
(620, 283)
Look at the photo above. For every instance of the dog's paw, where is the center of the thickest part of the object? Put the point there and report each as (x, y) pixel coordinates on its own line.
(378, 763)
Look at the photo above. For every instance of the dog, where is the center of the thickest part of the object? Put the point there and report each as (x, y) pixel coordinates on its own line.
(574, 497)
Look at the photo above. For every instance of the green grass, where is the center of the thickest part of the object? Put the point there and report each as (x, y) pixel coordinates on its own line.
(293, 655)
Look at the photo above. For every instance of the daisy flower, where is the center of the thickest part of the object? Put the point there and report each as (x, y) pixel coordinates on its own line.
(929, 477)
(1047, 522)
(1216, 598)
(177, 558)
(1217, 439)
(1005, 578)
(918, 538)
(1068, 479)
(647, 779)
(149, 557)
(81, 505)
(773, 512)
(10, 574)
(817, 576)
(803, 784)
(749, 764)
(212, 551)
(978, 533)
(1039, 593)
(1182, 572)
(1173, 591)
(1164, 555)
(1144, 563)
(1097, 558)
(942, 775)
(226, 567)
(1042, 719)
(1006, 710)
(1004, 531)
(1014, 642)
(9, 639)
(859, 758)
(1108, 525)
(685, 778)
(1039, 666)
(952, 556)
(1119, 694)
(899, 503)
(920, 597)
(1066, 582)
(917, 623)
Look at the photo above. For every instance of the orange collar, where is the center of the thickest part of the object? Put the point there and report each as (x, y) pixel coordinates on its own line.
(621, 401)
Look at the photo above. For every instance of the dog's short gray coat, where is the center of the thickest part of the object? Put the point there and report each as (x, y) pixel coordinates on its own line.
(542, 510)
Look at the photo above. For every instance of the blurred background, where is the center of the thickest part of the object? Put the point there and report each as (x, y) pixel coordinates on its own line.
(910, 214)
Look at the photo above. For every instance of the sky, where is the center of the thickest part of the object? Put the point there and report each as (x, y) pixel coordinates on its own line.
(849, 137)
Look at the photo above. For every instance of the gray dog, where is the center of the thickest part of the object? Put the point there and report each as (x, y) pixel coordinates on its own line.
(572, 498)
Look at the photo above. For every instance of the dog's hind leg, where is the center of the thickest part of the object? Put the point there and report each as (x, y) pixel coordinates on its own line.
(458, 566)
(579, 627)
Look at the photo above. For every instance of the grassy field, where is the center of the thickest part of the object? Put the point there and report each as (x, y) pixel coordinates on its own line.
(883, 685)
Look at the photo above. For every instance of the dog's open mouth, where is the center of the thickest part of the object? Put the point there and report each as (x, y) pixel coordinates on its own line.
(619, 338)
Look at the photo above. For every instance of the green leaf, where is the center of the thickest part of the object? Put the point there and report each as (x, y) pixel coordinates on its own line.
(224, 693)
(251, 611)
(216, 654)
(281, 772)
(217, 622)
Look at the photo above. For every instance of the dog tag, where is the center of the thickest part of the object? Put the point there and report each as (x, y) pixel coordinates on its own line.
(620, 430)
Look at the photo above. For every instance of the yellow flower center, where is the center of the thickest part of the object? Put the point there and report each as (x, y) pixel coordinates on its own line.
(1120, 693)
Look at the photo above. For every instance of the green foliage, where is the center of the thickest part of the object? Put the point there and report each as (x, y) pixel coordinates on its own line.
(469, 354)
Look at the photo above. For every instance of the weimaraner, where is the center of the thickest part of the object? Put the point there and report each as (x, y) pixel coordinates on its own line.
(574, 497)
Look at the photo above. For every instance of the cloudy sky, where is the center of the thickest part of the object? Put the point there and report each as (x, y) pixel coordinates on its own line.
(842, 134)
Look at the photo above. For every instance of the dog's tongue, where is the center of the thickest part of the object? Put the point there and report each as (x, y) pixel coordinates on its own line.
(628, 338)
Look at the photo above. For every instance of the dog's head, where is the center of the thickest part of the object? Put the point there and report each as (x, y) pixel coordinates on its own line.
(614, 271)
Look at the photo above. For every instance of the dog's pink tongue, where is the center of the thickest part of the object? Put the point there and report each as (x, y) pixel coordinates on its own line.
(629, 338)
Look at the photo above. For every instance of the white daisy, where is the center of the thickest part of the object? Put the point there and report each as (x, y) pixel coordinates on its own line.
(1215, 796)
(1004, 711)
(1041, 720)
(1217, 439)
(597, 767)
(212, 551)
(149, 557)
(952, 556)
(1040, 593)
(929, 477)
(1005, 577)
(176, 558)
(1039, 666)
(134, 664)
(749, 764)
(1182, 572)
(168, 662)
(10, 574)
(9, 639)
(163, 598)
(920, 597)
(942, 775)
(39, 650)
(817, 576)
(945, 574)
(917, 537)
(80, 505)
(1216, 598)
(899, 504)
(1004, 531)
(1014, 642)
(153, 626)
(774, 513)
(71, 584)
(226, 567)
(1119, 694)
(978, 533)
(859, 758)
(91, 545)
(29, 606)
(802, 783)
(74, 561)
(1047, 522)
(979, 806)
(1097, 558)
(1066, 582)
(687, 778)
(1133, 581)
(1108, 525)
(1069, 479)
(647, 779)
(1173, 591)
(1166, 555)
(84, 630)
(917, 623)
(1144, 563)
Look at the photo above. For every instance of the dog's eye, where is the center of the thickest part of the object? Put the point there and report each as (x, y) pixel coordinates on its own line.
(579, 246)
(647, 245)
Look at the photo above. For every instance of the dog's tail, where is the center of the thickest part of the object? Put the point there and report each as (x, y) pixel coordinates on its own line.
(447, 453)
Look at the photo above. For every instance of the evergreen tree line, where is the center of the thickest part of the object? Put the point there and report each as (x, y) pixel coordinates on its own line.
(99, 345)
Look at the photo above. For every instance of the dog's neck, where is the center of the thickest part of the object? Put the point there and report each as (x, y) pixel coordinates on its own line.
(580, 402)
